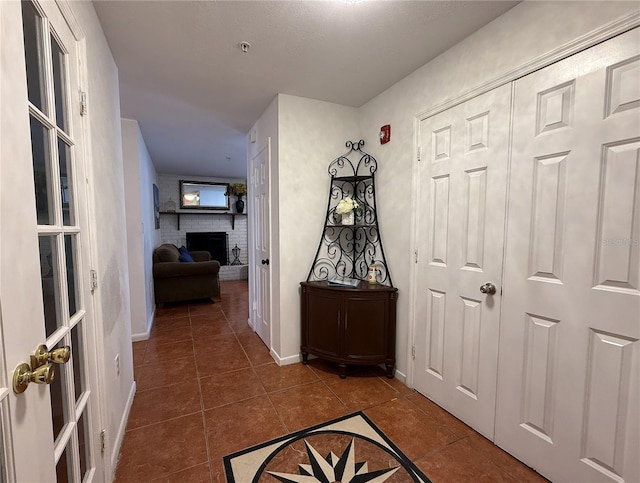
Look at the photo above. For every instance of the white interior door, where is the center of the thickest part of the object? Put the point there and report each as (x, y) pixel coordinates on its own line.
(51, 431)
(259, 169)
(568, 402)
(462, 189)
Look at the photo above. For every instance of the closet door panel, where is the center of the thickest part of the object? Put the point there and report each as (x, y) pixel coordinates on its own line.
(568, 377)
(461, 231)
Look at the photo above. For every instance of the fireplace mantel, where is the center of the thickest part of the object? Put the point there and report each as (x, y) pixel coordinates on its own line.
(184, 212)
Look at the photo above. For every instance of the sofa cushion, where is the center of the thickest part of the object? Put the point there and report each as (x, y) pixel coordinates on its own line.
(168, 253)
(185, 256)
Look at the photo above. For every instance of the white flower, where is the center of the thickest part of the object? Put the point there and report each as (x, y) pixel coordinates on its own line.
(346, 206)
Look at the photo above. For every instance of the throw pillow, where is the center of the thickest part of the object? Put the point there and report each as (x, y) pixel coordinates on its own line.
(185, 256)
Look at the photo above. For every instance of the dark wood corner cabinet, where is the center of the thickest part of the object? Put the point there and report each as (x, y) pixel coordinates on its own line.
(352, 323)
(349, 325)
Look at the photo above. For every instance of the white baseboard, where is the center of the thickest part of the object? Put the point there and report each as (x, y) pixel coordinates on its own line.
(139, 337)
(147, 334)
(285, 361)
(119, 437)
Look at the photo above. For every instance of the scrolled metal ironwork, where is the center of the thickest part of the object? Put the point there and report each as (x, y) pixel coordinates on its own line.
(350, 250)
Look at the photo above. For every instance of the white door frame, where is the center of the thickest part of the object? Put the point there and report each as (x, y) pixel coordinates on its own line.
(251, 242)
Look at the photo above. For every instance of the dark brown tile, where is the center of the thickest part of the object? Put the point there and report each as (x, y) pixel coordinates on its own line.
(307, 405)
(166, 402)
(139, 349)
(171, 311)
(195, 474)
(439, 416)
(276, 378)
(176, 334)
(249, 338)
(258, 354)
(230, 387)
(409, 428)
(240, 326)
(216, 343)
(170, 323)
(168, 351)
(217, 471)
(403, 389)
(204, 307)
(162, 449)
(240, 425)
(514, 468)
(205, 326)
(164, 373)
(360, 392)
(210, 362)
(460, 463)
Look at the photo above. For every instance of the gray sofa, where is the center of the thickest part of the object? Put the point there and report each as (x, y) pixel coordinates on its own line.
(176, 281)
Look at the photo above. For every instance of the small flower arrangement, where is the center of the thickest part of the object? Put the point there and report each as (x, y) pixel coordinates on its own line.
(238, 189)
(346, 206)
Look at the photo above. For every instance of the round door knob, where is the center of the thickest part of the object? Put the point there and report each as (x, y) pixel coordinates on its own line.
(488, 288)
(265, 261)
(23, 375)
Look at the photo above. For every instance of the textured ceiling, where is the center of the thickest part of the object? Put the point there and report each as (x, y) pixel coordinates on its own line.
(195, 93)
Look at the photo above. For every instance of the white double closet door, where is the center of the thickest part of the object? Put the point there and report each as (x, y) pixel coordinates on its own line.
(548, 366)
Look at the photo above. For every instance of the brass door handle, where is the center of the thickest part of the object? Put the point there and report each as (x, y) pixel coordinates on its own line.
(42, 356)
(23, 375)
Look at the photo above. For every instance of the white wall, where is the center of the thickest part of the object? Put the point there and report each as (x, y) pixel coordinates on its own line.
(107, 208)
(142, 237)
(523, 33)
(311, 134)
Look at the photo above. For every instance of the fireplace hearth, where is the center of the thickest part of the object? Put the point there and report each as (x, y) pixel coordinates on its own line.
(215, 242)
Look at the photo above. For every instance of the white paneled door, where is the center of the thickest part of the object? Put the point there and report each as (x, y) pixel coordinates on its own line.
(568, 402)
(261, 280)
(462, 191)
(49, 410)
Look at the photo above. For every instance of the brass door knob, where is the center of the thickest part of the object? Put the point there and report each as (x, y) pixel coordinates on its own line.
(23, 375)
(42, 356)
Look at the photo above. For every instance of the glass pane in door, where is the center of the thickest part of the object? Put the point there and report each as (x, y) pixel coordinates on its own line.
(63, 468)
(66, 179)
(59, 60)
(32, 28)
(59, 404)
(77, 351)
(49, 275)
(70, 255)
(41, 171)
(83, 447)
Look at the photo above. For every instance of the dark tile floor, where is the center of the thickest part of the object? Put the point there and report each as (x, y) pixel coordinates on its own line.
(207, 386)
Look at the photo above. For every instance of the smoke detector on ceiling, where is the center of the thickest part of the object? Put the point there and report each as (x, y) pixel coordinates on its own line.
(244, 46)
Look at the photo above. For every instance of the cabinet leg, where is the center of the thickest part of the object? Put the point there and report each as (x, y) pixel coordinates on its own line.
(389, 370)
(343, 370)
(305, 358)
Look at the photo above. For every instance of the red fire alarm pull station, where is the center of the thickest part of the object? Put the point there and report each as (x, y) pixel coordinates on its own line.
(385, 134)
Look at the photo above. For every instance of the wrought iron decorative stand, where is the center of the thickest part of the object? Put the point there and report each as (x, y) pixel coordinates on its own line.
(350, 250)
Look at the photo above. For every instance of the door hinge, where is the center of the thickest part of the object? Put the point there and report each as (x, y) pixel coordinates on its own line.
(94, 281)
(413, 352)
(415, 253)
(83, 103)
(419, 153)
(103, 441)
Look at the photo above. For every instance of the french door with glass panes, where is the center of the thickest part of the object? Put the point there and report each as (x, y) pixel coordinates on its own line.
(50, 411)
